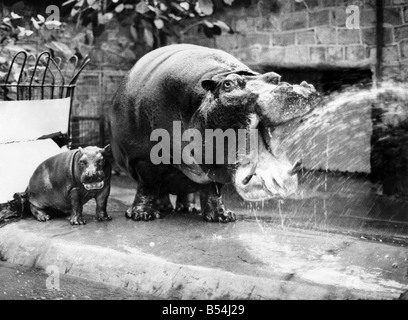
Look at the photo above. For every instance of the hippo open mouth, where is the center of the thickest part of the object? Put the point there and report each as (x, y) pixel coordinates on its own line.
(265, 173)
(94, 185)
(269, 174)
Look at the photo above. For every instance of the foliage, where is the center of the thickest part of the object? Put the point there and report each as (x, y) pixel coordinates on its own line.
(153, 20)
(150, 23)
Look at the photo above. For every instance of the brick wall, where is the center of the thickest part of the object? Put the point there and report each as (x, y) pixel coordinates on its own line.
(287, 34)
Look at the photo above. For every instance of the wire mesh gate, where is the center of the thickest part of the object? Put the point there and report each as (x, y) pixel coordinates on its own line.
(93, 96)
(38, 78)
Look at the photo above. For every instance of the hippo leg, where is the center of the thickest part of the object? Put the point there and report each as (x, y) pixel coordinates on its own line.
(101, 203)
(186, 203)
(214, 209)
(39, 214)
(76, 215)
(144, 206)
(164, 205)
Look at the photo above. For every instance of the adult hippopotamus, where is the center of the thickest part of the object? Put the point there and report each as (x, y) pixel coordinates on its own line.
(68, 180)
(201, 88)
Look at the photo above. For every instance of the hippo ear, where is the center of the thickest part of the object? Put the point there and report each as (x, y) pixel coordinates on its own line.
(209, 84)
(80, 149)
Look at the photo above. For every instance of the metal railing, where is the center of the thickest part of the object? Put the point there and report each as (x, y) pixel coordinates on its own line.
(42, 77)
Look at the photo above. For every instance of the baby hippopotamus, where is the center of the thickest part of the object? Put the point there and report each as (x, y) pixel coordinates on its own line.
(66, 181)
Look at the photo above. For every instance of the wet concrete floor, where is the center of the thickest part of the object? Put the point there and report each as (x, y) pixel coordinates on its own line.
(254, 248)
(25, 283)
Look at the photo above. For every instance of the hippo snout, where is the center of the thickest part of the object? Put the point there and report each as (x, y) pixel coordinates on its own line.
(301, 91)
(92, 176)
(308, 86)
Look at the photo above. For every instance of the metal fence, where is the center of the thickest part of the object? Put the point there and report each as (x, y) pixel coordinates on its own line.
(95, 90)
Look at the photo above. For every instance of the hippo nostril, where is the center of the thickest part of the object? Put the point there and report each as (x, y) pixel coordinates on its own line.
(308, 86)
(248, 178)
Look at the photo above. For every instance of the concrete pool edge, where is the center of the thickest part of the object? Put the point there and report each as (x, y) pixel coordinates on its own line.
(149, 274)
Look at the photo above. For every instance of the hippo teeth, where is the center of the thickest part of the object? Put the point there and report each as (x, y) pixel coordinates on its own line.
(93, 186)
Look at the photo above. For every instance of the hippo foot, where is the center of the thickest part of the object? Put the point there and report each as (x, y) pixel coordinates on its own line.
(39, 213)
(138, 214)
(42, 217)
(215, 211)
(104, 218)
(186, 203)
(181, 208)
(76, 220)
(164, 207)
(221, 215)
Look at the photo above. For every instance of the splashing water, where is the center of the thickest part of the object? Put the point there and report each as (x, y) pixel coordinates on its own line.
(337, 135)
(353, 149)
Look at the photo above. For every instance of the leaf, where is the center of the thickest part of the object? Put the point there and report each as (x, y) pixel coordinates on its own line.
(223, 26)
(68, 2)
(105, 18)
(177, 6)
(159, 23)
(162, 6)
(60, 47)
(41, 18)
(120, 8)
(133, 32)
(74, 12)
(163, 17)
(79, 4)
(148, 36)
(208, 24)
(206, 6)
(24, 32)
(35, 23)
(185, 6)
(142, 7)
(173, 16)
(228, 2)
(15, 16)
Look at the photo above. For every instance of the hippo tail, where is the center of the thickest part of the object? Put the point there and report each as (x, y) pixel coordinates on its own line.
(15, 209)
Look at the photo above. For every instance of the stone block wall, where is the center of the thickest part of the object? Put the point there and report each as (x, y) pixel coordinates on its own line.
(291, 34)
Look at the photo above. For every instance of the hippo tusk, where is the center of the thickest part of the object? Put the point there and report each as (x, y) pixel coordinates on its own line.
(296, 168)
(253, 156)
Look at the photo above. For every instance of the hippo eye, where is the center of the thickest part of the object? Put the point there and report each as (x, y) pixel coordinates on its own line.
(83, 162)
(227, 85)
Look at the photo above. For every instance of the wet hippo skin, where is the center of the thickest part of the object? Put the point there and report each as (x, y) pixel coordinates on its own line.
(65, 182)
(203, 89)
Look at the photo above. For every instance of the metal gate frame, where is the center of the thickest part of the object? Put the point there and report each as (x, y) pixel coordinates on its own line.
(25, 83)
